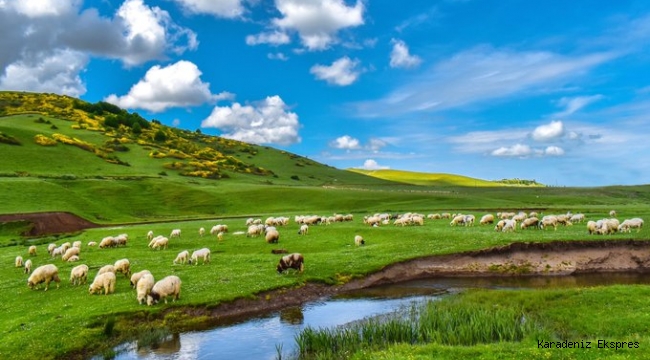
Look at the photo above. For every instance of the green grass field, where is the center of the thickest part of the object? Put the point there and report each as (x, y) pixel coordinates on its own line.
(64, 321)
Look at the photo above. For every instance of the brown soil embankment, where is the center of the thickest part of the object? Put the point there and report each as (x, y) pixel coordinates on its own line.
(50, 222)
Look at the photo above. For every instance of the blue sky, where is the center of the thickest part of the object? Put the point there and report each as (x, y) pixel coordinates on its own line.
(554, 91)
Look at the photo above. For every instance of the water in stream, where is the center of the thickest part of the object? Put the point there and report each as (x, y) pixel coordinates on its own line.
(258, 338)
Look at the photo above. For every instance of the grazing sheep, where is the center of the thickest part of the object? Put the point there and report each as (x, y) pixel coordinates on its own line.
(612, 213)
(249, 221)
(32, 250)
(45, 273)
(291, 261)
(79, 274)
(592, 227)
(469, 220)
(77, 244)
(548, 221)
(108, 241)
(176, 233)
(137, 276)
(51, 248)
(201, 253)
(457, 220)
(144, 286)
(629, 224)
(123, 266)
(28, 266)
(220, 236)
(92, 243)
(73, 258)
(577, 218)
(121, 239)
(161, 242)
(182, 257)
(509, 225)
(272, 236)
(169, 286)
(304, 229)
(358, 240)
(201, 231)
(529, 222)
(487, 219)
(150, 235)
(65, 246)
(106, 268)
(104, 281)
(19, 261)
(69, 253)
(500, 224)
(59, 251)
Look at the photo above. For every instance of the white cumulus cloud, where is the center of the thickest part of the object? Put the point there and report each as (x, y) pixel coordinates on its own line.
(371, 164)
(548, 132)
(220, 8)
(518, 150)
(554, 151)
(318, 21)
(176, 85)
(266, 122)
(400, 56)
(346, 142)
(342, 72)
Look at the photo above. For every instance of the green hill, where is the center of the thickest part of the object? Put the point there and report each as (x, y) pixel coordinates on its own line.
(437, 179)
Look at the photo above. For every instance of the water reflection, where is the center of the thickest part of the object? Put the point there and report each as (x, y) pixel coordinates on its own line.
(258, 338)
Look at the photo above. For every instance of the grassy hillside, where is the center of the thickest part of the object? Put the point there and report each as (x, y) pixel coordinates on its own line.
(437, 179)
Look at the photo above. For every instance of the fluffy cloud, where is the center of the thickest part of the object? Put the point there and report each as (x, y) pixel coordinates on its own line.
(220, 8)
(342, 72)
(518, 150)
(176, 85)
(548, 132)
(271, 38)
(57, 73)
(346, 142)
(37, 33)
(266, 122)
(400, 57)
(554, 151)
(318, 21)
(371, 164)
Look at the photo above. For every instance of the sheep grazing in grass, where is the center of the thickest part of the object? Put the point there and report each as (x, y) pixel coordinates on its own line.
(32, 250)
(65, 246)
(304, 229)
(79, 274)
(612, 213)
(51, 248)
(143, 287)
(123, 266)
(92, 243)
(201, 253)
(59, 251)
(592, 227)
(160, 243)
(121, 239)
(137, 276)
(73, 258)
(629, 224)
(548, 221)
(107, 242)
(150, 235)
(201, 232)
(291, 261)
(457, 220)
(509, 225)
(77, 244)
(182, 257)
(530, 222)
(255, 230)
(44, 274)
(176, 233)
(169, 286)
(219, 228)
(104, 281)
(28, 266)
(272, 236)
(105, 269)
(358, 240)
(19, 261)
(69, 253)
(487, 219)
(577, 218)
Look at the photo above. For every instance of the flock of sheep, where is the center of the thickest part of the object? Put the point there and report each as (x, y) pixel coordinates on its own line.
(149, 291)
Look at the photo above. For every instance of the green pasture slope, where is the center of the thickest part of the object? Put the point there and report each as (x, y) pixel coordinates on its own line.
(67, 320)
(427, 179)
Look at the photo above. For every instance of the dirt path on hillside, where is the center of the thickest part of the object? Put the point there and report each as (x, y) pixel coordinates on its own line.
(47, 223)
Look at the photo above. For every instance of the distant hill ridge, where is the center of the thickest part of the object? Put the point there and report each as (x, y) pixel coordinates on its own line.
(440, 179)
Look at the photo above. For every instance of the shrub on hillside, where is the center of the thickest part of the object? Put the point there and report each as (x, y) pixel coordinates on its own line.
(43, 140)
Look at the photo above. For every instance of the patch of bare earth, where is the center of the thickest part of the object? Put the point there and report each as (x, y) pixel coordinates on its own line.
(46, 223)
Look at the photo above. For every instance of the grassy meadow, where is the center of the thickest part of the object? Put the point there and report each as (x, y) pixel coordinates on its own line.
(134, 181)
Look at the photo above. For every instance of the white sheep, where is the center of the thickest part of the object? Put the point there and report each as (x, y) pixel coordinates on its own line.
(150, 235)
(73, 258)
(169, 286)
(304, 229)
(92, 243)
(160, 243)
(629, 224)
(176, 233)
(255, 230)
(32, 250)
(28, 266)
(44, 273)
(123, 266)
(105, 269)
(19, 261)
(108, 241)
(51, 248)
(358, 240)
(272, 236)
(79, 274)
(201, 231)
(612, 213)
(144, 286)
(66, 246)
(592, 227)
(201, 253)
(69, 253)
(220, 236)
(509, 225)
(77, 244)
(487, 219)
(577, 218)
(469, 220)
(121, 239)
(182, 257)
(548, 221)
(137, 276)
(457, 220)
(104, 281)
(529, 222)
(59, 251)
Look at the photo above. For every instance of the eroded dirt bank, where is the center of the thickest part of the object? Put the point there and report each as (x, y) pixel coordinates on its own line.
(517, 259)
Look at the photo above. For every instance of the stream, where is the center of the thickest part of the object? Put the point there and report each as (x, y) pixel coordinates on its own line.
(265, 336)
